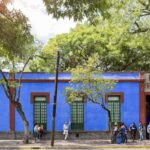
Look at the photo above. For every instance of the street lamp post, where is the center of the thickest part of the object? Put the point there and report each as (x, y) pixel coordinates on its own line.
(55, 100)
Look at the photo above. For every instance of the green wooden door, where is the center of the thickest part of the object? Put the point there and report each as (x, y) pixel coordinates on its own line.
(115, 108)
(40, 111)
(77, 115)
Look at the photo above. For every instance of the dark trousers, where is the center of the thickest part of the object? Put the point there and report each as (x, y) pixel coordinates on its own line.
(133, 134)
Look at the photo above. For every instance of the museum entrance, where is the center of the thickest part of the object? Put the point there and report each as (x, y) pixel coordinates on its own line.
(147, 113)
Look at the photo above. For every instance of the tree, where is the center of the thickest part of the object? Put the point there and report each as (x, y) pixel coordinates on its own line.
(80, 10)
(121, 41)
(88, 81)
(118, 48)
(16, 48)
(77, 9)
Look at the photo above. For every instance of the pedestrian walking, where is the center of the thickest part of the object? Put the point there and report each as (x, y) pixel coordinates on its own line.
(148, 130)
(141, 131)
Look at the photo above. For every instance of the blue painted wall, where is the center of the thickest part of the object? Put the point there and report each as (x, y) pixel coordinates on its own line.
(4, 111)
(130, 105)
(95, 118)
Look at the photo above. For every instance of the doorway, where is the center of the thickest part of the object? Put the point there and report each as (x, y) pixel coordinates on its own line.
(147, 113)
(40, 111)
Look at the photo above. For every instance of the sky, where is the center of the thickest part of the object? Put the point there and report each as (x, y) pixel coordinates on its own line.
(43, 25)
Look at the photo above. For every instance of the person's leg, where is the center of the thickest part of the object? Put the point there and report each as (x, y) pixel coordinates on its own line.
(140, 136)
(41, 134)
(134, 135)
(38, 134)
(35, 136)
(66, 135)
(124, 138)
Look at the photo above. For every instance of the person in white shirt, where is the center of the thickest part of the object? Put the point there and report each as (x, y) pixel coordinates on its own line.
(35, 130)
(141, 131)
(148, 130)
(66, 130)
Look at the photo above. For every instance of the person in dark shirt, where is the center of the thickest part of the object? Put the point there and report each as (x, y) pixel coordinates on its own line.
(133, 130)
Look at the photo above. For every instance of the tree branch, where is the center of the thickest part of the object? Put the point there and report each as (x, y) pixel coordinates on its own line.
(21, 75)
(101, 104)
(139, 30)
(7, 87)
(6, 91)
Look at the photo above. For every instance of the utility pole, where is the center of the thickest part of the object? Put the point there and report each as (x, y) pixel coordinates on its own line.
(55, 100)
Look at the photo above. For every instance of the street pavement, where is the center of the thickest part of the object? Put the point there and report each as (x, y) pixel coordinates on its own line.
(74, 144)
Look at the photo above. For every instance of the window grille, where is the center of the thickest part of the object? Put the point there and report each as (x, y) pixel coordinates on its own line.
(77, 115)
(40, 111)
(115, 108)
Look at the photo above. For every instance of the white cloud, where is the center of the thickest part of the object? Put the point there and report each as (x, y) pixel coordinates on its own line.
(43, 25)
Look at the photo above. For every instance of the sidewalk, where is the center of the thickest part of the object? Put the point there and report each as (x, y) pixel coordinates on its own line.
(71, 144)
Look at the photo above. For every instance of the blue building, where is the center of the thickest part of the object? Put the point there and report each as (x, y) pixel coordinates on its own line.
(127, 103)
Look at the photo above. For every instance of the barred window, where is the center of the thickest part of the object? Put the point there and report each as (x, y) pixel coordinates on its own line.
(40, 111)
(77, 115)
(115, 108)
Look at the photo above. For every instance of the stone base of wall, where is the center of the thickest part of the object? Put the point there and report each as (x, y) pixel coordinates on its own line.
(58, 135)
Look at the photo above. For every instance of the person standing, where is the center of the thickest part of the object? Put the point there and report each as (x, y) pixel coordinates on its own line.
(123, 133)
(66, 130)
(133, 130)
(148, 130)
(141, 131)
(114, 133)
(35, 131)
(40, 131)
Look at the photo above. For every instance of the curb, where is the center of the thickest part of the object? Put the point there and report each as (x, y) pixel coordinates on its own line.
(74, 147)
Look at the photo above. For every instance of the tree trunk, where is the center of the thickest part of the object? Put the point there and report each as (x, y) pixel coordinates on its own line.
(109, 117)
(109, 120)
(24, 120)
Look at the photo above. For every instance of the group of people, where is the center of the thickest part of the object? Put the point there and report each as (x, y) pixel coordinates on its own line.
(38, 132)
(120, 131)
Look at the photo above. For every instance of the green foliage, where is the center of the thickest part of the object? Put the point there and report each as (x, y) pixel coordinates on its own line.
(16, 41)
(117, 48)
(121, 41)
(11, 84)
(77, 9)
(86, 80)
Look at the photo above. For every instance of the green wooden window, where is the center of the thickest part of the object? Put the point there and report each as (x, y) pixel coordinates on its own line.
(115, 108)
(40, 111)
(77, 115)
